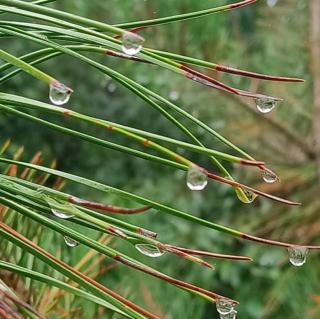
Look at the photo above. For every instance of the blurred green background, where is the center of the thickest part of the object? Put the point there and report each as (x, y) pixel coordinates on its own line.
(272, 37)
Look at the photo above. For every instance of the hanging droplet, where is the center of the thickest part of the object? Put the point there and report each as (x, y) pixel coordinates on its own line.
(224, 306)
(59, 93)
(269, 177)
(245, 196)
(197, 179)
(132, 43)
(70, 242)
(149, 250)
(298, 255)
(231, 315)
(266, 104)
(61, 214)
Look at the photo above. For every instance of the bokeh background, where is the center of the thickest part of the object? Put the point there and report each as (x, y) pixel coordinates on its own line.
(273, 37)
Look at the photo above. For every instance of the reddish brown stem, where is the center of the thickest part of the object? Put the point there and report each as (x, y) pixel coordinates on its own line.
(173, 281)
(210, 254)
(226, 69)
(241, 4)
(184, 254)
(108, 208)
(276, 243)
(206, 80)
(251, 162)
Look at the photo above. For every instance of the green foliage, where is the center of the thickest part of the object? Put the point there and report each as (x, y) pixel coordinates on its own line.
(247, 36)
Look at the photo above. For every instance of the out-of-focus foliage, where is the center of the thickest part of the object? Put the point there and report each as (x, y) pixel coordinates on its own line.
(263, 38)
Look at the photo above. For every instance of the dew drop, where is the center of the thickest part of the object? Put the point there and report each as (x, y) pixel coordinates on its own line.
(245, 196)
(59, 93)
(112, 87)
(231, 315)
(132, 43)
(149, 250)
(269, 177)
(70, 242)
(266, 104)
(272, 3)
(298, 255)
(60, 214)
(174, 95)
(224, 306)
(197, 180)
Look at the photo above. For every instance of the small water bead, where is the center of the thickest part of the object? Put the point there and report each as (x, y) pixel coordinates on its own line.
(61, 214)
(266, 104)
(70, 242)
(132, 43)
(298, 255)
(224, 306)
(174, 95)
(197, 179)
(149, 250)
(231, 315)
(59, 93)
(112, 87)
(272, 3)
(269, 177)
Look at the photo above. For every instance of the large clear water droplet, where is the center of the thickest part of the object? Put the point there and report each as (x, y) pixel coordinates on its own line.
(197, 179)
(149, 250)
(61, 214)
(245, 196)
(70, 242)
(59, 93)
(266, 104)
(59, 208)
(224, 306)
(231, 315)
(298, 255)
(132, 43)
(269, 177)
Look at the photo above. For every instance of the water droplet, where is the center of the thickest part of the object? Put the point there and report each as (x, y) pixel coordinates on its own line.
(231, 315)
(297, 255)
(269, 177)
(272, 3)
(149, 250)
(174, 95)
(59, 93)
(245, 196)
(266, 104)
(197, 179)
(60, 208)
(132, 43)
(61, 214)
(70, 242)
(224, 306)
(112, 87)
